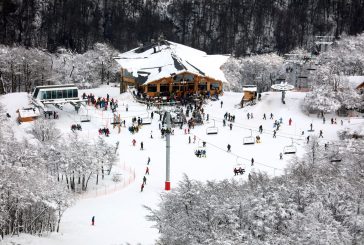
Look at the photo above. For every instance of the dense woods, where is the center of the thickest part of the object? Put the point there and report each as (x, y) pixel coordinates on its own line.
(222, 26)
(319, 200)
(40, 175)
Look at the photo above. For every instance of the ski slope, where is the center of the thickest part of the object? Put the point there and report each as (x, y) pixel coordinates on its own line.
(119, 215)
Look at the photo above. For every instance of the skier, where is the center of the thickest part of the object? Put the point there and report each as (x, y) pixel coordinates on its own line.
(321, 136)
(127, 107)
(151, 134)
(308, 139)
(290, 121)
(271, 116)
(148, 161)
(261, 129)
(251, 115)
(281, 156)
(252, 162)
(221, 103)
(147, 171)
(189, 139)
(141, 145)
(228, 147)
(152, 115)
(274, 134)
(142, 187)
(224, 122)
(93, 220)
(231, 126)
(326, 145)
(144, 180)
(248, 115)
(323, 120)
(134, 142)
(311, 126)
(264, 117)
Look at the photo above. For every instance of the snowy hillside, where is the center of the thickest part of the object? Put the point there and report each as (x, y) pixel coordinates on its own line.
(119, 214)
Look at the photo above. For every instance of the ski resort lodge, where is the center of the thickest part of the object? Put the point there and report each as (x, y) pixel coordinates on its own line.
(168, 69)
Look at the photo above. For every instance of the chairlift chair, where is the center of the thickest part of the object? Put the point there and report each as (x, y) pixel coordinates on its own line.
(249, 140)
(146, 121)
(212, 129)
(85, 118)
(290, 149)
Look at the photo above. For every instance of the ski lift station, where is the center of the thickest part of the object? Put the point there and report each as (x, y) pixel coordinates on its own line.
(56, 95)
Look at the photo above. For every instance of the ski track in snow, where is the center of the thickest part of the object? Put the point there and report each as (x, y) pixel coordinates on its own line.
(120, 216)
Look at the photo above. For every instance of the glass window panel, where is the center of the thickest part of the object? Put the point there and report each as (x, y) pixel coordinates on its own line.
(164, 88)
(54, 94)
(75, 93)
(152, 88)
(49, 94)
(59, 94)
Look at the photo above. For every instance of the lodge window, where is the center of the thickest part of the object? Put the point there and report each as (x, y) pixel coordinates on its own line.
(152, 88)
(54, 94)
(214, 85)
(164, 88)
(202, 85)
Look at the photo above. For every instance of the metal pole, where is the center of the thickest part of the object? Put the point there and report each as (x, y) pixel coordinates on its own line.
(168, 149)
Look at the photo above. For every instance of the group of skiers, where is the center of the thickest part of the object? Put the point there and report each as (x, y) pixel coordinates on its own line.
(145, 178)
(104, 131)
(50, 114)
(100, 102)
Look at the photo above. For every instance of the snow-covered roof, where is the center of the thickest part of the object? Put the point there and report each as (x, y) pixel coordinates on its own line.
(355, 81)
(164, 59)
(29, 112)
(250, 88)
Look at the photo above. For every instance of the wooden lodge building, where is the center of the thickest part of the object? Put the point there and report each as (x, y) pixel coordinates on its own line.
(169, 69)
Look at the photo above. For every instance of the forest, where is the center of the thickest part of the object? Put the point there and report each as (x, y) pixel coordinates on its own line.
(319, 200)
(237, 27)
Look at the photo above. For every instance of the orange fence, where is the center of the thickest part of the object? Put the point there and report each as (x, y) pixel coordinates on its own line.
(99, 190)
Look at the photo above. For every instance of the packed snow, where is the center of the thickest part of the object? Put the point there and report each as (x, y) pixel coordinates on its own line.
(119, 212)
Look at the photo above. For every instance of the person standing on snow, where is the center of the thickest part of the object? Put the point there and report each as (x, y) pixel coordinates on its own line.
(228, 147)
(147, 171)
(93, 220)
(142, 187)
(141, 146)
(280, 156)
(252, 162)
(148, 161)
(221, 103)
(144, 180)
(290, 121)
(321, 136)
(264, 117)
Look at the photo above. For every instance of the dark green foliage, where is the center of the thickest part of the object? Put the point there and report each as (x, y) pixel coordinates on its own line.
(221, 26)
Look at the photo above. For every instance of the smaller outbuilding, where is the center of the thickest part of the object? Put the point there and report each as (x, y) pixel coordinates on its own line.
(27, 114)
(250, 92)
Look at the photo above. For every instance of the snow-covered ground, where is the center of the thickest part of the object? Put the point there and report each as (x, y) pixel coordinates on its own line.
(119, 214)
